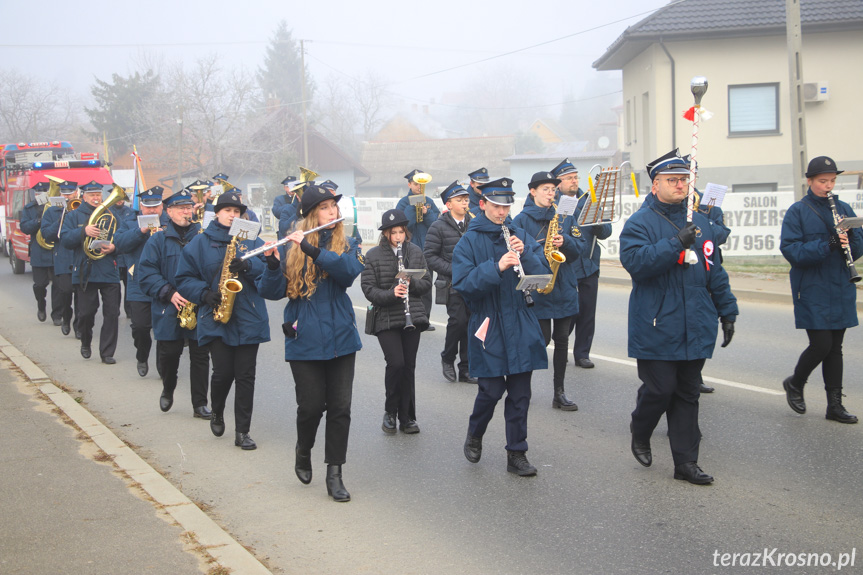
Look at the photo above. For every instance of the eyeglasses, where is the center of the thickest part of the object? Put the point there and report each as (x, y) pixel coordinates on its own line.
(675, 181)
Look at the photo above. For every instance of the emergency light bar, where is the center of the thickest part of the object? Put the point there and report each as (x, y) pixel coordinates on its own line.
(67, 164)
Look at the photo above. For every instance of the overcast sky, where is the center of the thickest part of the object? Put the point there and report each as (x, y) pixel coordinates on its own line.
(401, 41)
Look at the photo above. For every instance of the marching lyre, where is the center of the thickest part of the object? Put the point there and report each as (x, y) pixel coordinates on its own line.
(608, 190)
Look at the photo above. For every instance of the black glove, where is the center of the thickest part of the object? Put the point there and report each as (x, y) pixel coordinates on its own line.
(237, 265)
(272, 262)
(166, 293)
(727, 330)
(834, 243)
(212, 298)
(289, 331)
(687, 235)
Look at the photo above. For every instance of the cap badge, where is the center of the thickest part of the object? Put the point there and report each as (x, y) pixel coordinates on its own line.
(826, 162)
(392, 217)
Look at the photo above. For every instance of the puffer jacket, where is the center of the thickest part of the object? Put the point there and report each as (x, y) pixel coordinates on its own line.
(31, 223)
(379, 278)
(418, 230)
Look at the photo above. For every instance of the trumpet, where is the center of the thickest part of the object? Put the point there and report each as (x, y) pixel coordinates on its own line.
(422, 179)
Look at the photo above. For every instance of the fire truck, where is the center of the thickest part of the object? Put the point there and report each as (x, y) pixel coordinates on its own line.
(24, 165)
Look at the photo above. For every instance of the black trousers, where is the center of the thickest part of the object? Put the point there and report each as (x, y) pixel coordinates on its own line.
(325, 386)
(42, 276)
(142, 323)
(230, 364)
(584, 322)
(491, 389)
(168, 355)
(400, 352)
(673, 388)
(825, 347)
(67, 297)
(560, 335)
(455, 342)
(88, 300)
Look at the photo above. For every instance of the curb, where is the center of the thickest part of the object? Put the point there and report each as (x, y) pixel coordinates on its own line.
(223, 548)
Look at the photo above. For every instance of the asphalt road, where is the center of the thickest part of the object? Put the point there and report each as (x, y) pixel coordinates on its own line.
(783, 481)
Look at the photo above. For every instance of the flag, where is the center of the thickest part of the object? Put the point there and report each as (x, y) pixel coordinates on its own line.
(140, 185)
(482, 331)
(105, 146)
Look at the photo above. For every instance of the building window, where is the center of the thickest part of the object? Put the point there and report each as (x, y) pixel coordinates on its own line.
(754, 188)
(753, 109)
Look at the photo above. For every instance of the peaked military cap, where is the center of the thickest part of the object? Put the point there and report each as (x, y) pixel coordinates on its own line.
(453, 190)
(670, 163)
(498, 192)
(479, 176)
(152, 197)
(563, 168)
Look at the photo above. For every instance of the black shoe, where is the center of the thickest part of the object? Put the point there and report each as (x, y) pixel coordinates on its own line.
(516, 462)
(143, 368)
(448, 370)
(641, 450)
(473, 448)
(166, 400)
(707, 389)
(835, 410)
(794, 396)
(335, 487)
(217, 424)
(41, 315)
(77, 334)
(85, 351)
(560, 401)
(409, 427)
(584, 362)
(202, 412)
(464, 377)
(65, 328)
(108, 360)
(303, 465)
(692, 473)
(243, 441)
(430, 328)
(57, 322)
(389, 423)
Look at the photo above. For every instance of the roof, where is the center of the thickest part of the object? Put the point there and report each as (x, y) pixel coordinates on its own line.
(703, 19)
(571, 150)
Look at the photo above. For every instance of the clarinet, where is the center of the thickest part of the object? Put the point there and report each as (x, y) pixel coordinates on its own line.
(528, 299)
(849, 259)
(409, 324)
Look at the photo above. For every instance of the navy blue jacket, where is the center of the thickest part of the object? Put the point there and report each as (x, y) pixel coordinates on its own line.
(418, 230)
(64, 258)
(200, 269)
(130, 243)
(122, 213)
(824, 298)
(280, 202)
(287, 217)
(31, 223)
(589, 264)
(102, 270)
(513, 342)
(473, 202)
(674, 309)
(157, 277)
(325, 324)
(563, 299)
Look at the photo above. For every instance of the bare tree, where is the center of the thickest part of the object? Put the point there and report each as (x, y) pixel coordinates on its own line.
(336, 114)
(371, 99)
(32, 110)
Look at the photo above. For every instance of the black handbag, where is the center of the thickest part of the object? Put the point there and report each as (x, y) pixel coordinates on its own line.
(370, 319)
(441, 290)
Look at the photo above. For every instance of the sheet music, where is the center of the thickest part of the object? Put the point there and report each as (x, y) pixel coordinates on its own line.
(566, 205)
(240, 225)
(417, 199)
(848, 223)
(58, 201)
(150, 221)
(533, 282)
(41, 198)
(713, 195)
(208, 217)
(411, 274)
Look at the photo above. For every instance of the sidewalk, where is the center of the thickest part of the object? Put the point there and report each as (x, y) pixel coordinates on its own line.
(63, 512)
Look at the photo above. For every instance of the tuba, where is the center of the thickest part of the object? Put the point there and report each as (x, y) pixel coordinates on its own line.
(53, 192)
(422, 179)
(198, 191)
(105, 221)
(229, 285)
(554, 257)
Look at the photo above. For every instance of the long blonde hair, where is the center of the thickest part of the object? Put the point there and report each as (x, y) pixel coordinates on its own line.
(300, 271)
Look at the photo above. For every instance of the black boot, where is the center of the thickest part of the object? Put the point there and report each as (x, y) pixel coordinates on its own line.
(40, 313)
(835, 409)
(473, 448)
(562, 402)
(335, 487)
(166, 400)
(303, 465)
(217, 423)
(516, 462)
(243, 441)
(794, 395)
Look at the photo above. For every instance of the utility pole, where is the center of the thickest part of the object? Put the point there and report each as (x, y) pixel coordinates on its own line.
(794, 35)
(179, 183)
(305, 128)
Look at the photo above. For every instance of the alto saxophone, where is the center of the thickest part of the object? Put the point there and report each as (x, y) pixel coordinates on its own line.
(187, 316)
(554, 257)
(229, 285)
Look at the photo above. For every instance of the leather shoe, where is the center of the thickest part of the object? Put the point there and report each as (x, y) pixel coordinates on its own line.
(243, 441)
(430, 328)
(56, 321)
(109, 360)
(690, 472)
(465, 377)
(641, 450)
(516, 462)
(584, 362)
(65, 328)
(41, 315)
(409, 427)
(217, 424)
(389, 423)
(794, 396)
(303, 466)
(473, 448)
(335, 487)
(448, 370)
(202, 412)
(166, 400)
(561, 402)
(707, 389)
(85, 351)
(143, 368)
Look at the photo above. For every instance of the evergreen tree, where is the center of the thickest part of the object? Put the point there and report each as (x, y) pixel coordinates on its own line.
(280, 78)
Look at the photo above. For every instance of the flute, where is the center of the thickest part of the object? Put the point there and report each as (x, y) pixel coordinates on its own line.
(285, 240)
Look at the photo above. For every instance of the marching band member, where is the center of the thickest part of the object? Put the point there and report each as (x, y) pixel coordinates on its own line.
(399, 338)
(673, 312)
(441, 240)
(825, 300)
(282, 201)
(477, 178)
(561, 305)
(248, 214)
(93, 277)
(156, 273)
(123, 212)
(233, 346)
(419, 229)
(41, 259)
(506, 343)
(321, 338)
(64, 259)
(130, 240)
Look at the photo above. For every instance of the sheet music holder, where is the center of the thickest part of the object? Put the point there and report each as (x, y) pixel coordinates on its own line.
(533, 282)
(57, 201)
(417, 199)
(149, 221)
(713, 195)
(848, 223)
(411, 274)
(250, 228)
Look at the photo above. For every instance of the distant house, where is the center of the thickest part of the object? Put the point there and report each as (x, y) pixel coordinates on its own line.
(740, 46)
(550, 131)
(523, 166)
